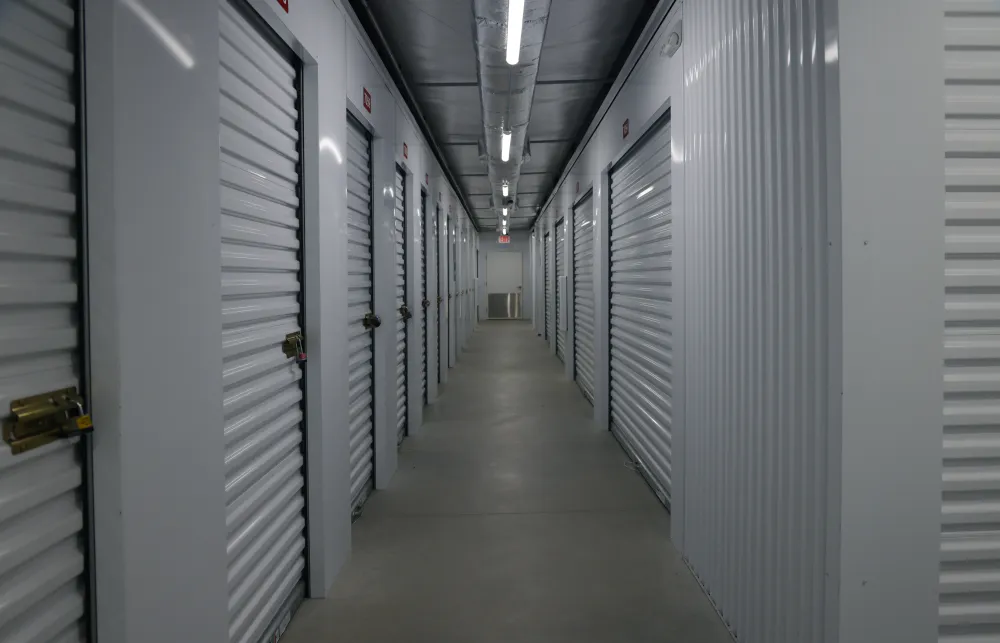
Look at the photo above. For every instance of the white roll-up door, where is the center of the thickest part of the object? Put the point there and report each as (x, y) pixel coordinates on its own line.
(439, 305)
(42, 547)
(261, 308)
(560, 314)
(547, 275)
(425, 304)
(641, 341)
(969, 610)
(402, 311)
(360, 306)
(583, 295)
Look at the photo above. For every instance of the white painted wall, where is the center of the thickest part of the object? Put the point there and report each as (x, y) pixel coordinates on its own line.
(152, 175)
(807, 196)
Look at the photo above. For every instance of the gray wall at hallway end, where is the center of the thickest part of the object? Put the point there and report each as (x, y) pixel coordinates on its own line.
(520, 241)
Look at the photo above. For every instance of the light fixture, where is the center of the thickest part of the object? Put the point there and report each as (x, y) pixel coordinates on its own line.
(506, 189)
(505, 146)
(505, 211)
(515, 20)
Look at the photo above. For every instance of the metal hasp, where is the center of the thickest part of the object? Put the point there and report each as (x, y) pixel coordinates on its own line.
(40, 419)
(371, 320)
(404, 312)
(294, 346)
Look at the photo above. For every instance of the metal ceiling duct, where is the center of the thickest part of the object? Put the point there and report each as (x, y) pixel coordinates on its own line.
(506, 91)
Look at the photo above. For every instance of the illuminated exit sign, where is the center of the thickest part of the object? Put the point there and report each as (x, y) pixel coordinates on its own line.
(504, 239)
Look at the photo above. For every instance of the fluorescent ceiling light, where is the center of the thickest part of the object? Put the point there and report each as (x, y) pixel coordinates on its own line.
(515, 20)
(505, 147)
(506, 188)
(505, 211)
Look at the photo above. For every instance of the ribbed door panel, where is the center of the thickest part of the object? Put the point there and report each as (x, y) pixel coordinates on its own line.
(641, 341)
(583, 296)
(560, 289)
(970, 538)
(261, 304)
(547, 276)
(399, 236)
(424, 302)
(360, 302)
(441, 301)
(754, 244)
(41, 522)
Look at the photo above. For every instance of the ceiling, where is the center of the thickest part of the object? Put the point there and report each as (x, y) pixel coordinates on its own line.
(433, 42)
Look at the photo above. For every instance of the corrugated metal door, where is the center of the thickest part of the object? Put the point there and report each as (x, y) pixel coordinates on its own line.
(402, 311)
(583, 295)
(41, 491)
(440, 298)
(546, 275)
(424, 302)
(261, 305)
(641, 317)
(560, 288)
(970, 538)
(360, 304)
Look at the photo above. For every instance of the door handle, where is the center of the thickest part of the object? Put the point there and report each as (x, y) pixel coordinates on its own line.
(371, 320)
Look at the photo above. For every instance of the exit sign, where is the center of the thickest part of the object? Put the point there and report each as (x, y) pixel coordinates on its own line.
(504, 239)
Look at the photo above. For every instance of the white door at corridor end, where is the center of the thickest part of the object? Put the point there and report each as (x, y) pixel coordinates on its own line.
(504, 284)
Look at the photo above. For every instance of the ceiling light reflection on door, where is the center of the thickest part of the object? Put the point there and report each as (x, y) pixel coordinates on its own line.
(515, 20)
(505, 147)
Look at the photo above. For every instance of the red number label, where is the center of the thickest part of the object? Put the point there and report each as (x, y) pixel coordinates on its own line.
(283, 4)
(368, 101)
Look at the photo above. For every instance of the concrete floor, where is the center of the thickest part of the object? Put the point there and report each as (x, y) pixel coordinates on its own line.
(511, 518)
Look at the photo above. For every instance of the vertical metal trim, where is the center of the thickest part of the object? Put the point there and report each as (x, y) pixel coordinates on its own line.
(83, 312)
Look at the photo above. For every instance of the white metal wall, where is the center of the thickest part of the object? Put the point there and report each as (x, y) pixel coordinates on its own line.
(261, 304)
(401, 309)
(360, 301)
(970, 538)
(560, 302)
(41, 540)
(583, 294)
(756, 327)
(424, 301)
(642, 331)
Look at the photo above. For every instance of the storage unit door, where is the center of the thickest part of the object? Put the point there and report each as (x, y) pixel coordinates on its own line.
(439, 305)
(261, 306)
(424, 302)
(583, 296)
(547, 274)
(560, 289)
(360, 302)
(41, 490)
(969, 610)
(402, 312)
(641, 341)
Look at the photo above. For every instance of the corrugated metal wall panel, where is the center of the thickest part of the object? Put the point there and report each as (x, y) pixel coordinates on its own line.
(399, 240)
(560, 288)
(754, 300)
(547, 278)
(41, 521)
(583, 295)
(970, 536)
(360, 302)
(261, 304)
(641, 300)
(425, 303)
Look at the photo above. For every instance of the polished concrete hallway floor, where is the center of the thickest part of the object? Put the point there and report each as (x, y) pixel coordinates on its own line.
(512, 518)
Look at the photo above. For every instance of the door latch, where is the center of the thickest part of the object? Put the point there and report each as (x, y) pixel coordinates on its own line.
(426, 303)
(44, 418)
(371, 320)
(404, 312)
(294, 346)
(440, 299)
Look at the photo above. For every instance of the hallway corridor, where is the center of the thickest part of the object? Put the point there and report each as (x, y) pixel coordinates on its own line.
(511, 518)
